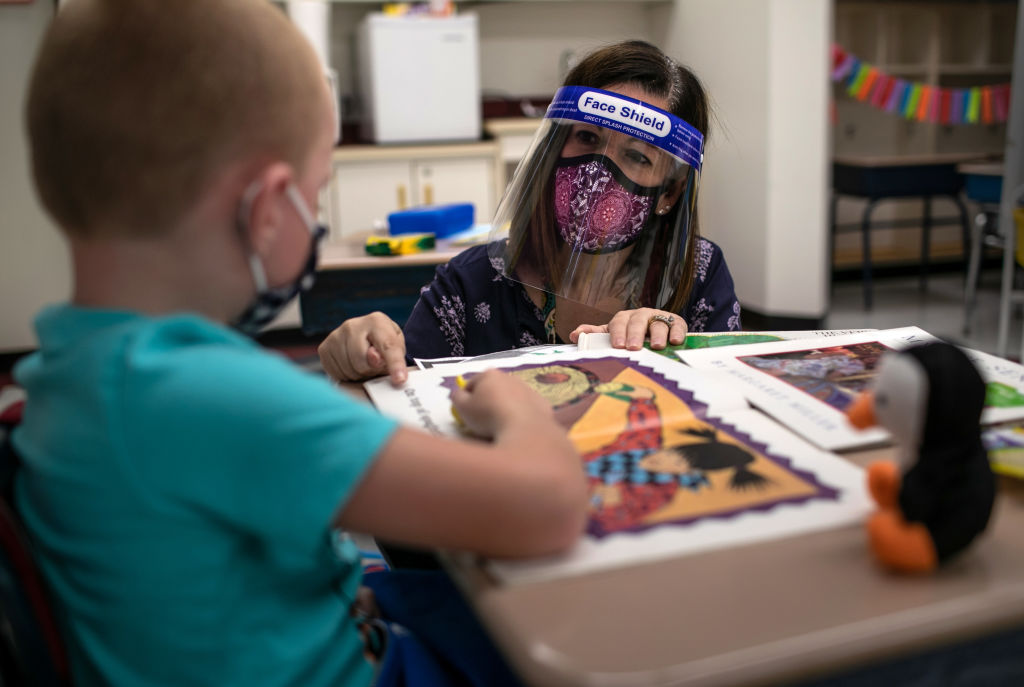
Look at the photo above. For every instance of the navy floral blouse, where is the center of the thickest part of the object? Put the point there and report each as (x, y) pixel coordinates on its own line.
(470, 308)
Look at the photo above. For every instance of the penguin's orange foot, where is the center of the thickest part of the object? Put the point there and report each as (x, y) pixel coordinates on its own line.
(900, 545)
(884, 483)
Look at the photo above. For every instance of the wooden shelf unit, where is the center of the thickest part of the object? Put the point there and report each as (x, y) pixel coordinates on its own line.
(948, 44)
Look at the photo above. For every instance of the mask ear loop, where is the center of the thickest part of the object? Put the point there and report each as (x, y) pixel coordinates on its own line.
(259, 275)
(302, 208)
(316, 230)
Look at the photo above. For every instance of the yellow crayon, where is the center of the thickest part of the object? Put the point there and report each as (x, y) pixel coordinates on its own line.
(461, 382)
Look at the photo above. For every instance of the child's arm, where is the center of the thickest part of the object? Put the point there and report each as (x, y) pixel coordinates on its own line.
(523, 494)
(364, 347)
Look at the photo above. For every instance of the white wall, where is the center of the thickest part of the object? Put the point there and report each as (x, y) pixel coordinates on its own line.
(799, 158)
(522, 44)
(34, 268)
(764, 190)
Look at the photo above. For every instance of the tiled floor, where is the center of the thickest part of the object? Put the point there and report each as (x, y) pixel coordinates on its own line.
(938, 310)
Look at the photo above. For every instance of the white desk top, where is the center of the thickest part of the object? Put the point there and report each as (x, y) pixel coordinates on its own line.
(350, 254)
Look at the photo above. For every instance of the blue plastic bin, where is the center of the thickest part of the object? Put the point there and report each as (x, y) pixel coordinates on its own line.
(440, 220)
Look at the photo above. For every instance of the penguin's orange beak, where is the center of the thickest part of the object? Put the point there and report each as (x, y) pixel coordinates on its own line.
(862, 412)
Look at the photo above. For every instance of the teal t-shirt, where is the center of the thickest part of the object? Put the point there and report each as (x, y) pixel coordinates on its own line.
(179, 483)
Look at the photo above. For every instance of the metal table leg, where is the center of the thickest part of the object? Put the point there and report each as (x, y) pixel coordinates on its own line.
(865, 229)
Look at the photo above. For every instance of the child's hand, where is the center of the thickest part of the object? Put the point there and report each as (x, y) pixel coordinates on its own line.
(492, 402)
(363, 347)
(629, 328)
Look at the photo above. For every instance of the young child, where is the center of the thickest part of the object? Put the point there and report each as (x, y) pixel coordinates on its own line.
(599, 225)
(184, 487)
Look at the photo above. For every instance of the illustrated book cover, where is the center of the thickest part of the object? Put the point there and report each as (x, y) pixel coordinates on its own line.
(1005, 446)
(808, 384)
(676, 462)
(593, 342)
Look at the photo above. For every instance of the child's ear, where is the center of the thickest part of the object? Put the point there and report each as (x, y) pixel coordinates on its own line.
(268, 206)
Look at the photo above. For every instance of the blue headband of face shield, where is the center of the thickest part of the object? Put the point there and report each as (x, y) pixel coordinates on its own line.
(632, 117)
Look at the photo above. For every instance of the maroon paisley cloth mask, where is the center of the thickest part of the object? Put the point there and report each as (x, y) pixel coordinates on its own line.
(597, 208)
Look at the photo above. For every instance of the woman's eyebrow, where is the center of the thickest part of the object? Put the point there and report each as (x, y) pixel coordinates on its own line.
(643, 144)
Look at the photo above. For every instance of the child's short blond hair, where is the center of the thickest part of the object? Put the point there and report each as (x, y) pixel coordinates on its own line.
(135, 106)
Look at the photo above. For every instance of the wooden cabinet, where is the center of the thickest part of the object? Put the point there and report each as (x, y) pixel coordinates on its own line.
(370, 182)
(514, 136)
(363, 192)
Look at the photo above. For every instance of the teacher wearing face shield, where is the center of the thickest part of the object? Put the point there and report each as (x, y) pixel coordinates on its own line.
(598, 232)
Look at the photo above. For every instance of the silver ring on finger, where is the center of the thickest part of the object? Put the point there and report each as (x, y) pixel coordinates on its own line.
(666, 319)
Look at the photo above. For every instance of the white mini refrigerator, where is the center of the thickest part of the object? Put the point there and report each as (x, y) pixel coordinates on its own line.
(419, 78)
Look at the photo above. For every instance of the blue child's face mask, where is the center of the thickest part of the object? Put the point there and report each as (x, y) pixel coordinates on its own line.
(271, 300)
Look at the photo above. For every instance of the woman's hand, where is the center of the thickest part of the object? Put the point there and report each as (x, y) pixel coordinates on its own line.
(363, 347)
(629, 328)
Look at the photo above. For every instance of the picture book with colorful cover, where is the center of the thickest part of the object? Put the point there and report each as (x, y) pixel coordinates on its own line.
(808, 384)
(593, 342)
(676, 463)
(1005, 446)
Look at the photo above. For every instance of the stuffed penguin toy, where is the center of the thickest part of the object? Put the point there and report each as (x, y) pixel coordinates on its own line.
(930, 398)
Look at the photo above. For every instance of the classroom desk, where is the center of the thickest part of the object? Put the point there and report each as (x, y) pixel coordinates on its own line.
(350, 283)
(882, 178)
(761, 614)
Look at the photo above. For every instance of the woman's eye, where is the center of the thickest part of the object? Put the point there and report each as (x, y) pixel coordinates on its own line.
(586, 137)
(637, 157)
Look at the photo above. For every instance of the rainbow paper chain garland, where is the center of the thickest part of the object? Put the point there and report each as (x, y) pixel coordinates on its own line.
(919, 101)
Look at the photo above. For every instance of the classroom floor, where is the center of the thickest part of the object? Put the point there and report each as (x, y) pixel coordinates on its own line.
(938, 310)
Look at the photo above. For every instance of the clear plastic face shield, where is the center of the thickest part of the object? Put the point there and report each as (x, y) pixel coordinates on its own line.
(600, 209)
